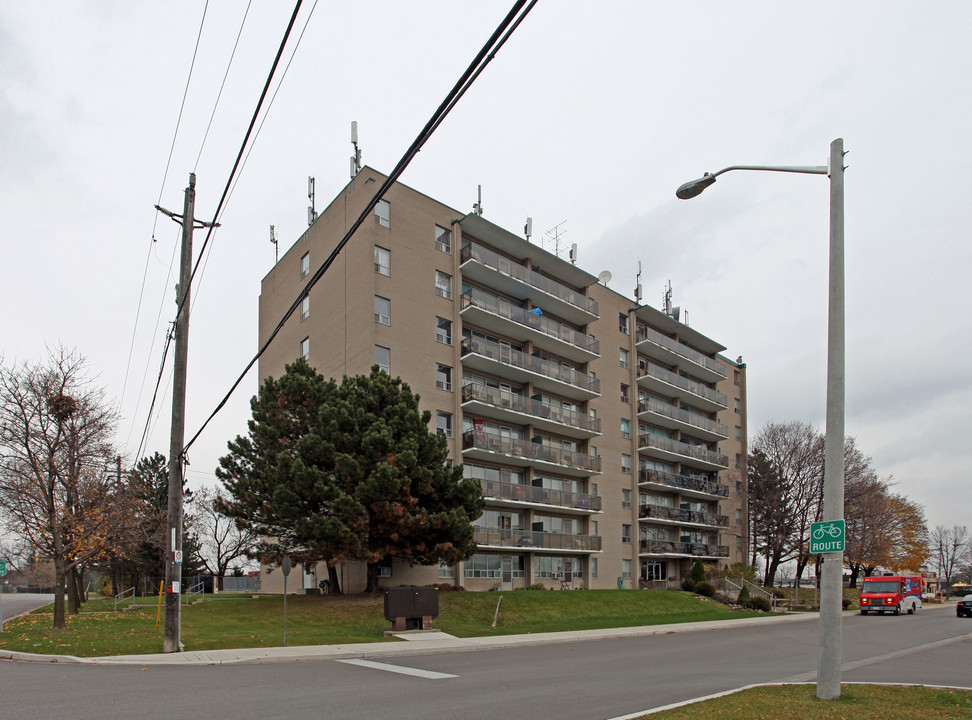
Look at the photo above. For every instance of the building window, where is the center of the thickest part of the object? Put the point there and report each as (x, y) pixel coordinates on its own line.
(383, 358)
(383, 213)
(623, 322)
(304, 308)
(382, 310)
(738, 487)
(738, 433)
(738, 516)
(735, 377)
(443, 331)
(445, 570)
(593, 568)
(625, 393)
(384, 569)
(625, 533)
(739, 460)
(305, 348)
(443, 285)
(625, 428)
(626, 569)
(443, 423)
(736, 405)
(382, 261)
(443, 377)
(624, 358)
(443, 239)
(305, 264)
(625, 464)
(625, 497)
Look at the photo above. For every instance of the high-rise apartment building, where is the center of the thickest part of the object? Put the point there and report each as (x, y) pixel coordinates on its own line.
(609, 438)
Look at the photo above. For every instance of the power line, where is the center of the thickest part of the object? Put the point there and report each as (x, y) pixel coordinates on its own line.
(483, 58)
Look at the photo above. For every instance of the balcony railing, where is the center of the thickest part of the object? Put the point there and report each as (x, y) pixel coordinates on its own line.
(498, 490)
(518, 359)
(502, 537)
(680, 349)
(685, 416)
(696, 388)
(698, 452)
(684, 482)
(546, 326)
(497, 262)
(667, 547)
(523, 404)
(530, 450)
(662, 512)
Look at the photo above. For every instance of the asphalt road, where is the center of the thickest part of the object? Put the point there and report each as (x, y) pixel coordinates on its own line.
(577, 681)
(12, 604)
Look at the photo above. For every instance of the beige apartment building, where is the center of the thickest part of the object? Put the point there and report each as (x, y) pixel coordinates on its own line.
(609, 438)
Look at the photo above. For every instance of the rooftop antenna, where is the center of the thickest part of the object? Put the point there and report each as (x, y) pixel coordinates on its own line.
(604, 277)
(356, 158)
(555, 233)
(573, 254)
(478, 205)
(273, 239)
(667, 298)
(528, 228)
(638, 291)
(311, 212)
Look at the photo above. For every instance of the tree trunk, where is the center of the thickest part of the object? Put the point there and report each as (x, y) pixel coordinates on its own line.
(73, 592)
(332, 577)
(59, 578)
(855, 569)
(372, 585)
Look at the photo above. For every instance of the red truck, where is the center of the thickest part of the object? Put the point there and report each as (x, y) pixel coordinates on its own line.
(891, 592)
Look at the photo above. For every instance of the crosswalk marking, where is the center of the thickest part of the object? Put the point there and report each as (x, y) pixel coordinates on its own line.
(427, 674)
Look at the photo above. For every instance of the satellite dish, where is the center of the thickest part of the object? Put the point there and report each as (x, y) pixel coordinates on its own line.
(604, 277)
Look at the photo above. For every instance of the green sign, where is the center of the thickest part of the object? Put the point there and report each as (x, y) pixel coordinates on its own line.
(3, 568)
(827, 537)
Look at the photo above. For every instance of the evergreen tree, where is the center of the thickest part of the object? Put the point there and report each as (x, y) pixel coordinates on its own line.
(348, 472)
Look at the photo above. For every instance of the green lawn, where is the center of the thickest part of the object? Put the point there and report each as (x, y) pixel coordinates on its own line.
(315, 620)
(799, 702)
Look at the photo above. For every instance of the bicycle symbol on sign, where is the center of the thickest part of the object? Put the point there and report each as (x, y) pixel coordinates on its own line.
(832, 530)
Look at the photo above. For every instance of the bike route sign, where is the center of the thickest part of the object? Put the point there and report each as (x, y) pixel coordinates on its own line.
(827, 537)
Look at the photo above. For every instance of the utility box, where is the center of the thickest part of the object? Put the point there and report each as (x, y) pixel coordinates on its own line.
(411, 608)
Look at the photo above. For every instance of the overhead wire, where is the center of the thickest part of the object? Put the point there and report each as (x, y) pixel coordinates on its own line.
(483, 58)
(148, 256)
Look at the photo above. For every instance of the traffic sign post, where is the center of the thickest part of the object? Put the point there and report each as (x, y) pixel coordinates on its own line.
(827, 537)
(3, 571)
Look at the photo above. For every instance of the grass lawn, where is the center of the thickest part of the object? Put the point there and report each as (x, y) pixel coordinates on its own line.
(315, 620)
(799, 702)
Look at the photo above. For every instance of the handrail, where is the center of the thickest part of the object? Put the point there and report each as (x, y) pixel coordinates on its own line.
(648, 440)
(529, 406)
(647, 334)
(120, 597)
(517, 358)
(531, 450)
(686, 482)
(696, 388)
(514, 537)
(663, 512)
(686, 416)
(501, 490)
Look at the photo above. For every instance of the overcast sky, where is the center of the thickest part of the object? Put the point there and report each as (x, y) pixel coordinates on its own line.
(593, 113)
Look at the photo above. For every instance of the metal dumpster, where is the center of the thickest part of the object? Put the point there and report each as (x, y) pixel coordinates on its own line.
(411, 608)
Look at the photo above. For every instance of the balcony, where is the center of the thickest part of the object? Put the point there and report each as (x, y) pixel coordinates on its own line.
(535, 540)
(663, 513)
(668, 548)
(498, 493)
(669, 384)
(669, 416)
(688, 485)
(675, 451)
(487, 446)
(488, 267)
(499, 315)
(672, 352)
(521, 410)
(502, 360)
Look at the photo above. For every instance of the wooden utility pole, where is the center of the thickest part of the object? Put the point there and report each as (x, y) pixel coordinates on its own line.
(172, 641)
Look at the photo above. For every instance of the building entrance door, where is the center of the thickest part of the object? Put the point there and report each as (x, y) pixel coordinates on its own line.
(506, 567)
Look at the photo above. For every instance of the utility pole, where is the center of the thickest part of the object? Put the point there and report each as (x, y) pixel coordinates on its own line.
(172, 641)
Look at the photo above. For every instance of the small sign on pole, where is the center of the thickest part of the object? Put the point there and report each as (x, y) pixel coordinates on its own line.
(827, 537)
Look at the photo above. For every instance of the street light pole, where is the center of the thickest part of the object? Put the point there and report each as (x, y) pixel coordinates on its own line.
(831, 580)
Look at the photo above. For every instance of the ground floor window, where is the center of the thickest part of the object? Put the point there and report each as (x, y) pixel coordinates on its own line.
(557, 567)
(482, 565)
(446, 571)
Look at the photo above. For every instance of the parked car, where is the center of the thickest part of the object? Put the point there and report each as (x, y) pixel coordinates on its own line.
(964, 607)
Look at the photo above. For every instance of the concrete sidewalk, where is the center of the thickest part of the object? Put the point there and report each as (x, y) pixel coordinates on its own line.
(415, 643)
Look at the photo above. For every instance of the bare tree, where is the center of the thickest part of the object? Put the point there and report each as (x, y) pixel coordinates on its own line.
(948, 546)
(222, 541)
(55, 445)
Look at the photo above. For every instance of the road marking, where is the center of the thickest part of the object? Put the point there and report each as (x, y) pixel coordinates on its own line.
(414, 672)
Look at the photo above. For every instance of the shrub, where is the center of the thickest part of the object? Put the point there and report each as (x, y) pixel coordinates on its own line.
(698, 571)
(846, 602)
(535, 586)
(742, 571)
(705, 588)
(688, 585)
(744, 597)
(778, 593)
(760, 603)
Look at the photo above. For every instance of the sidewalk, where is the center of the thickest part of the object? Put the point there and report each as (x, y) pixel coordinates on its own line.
(416, 643)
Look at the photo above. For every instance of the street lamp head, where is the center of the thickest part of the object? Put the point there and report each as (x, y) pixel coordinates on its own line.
(689, 190)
